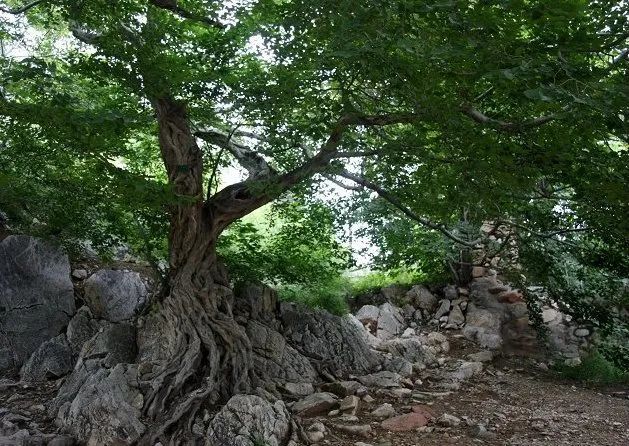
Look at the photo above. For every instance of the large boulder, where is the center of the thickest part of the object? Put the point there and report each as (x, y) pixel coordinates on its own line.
(368, 314)
(248, 420)
(334, 344)
(390, 322)
(115, 295)
(484, 326)
(36, 297)
(106, 411)
(111, 345)
(51, 360)
(276, 360)
(420, 297)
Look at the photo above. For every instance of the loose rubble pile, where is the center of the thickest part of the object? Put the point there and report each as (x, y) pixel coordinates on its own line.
(319, 377)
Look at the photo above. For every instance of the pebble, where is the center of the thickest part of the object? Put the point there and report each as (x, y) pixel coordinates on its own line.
(447, 420)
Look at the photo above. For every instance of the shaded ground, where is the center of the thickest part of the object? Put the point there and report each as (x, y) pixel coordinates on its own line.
(519, 404)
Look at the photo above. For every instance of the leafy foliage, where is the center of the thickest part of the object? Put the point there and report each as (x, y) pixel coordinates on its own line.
(376, 280)
(514, 109)
(594, 369)
(593, 295)
(294, 244)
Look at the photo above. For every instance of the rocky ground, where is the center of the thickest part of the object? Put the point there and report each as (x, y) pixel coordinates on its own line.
(510, 402)
(457, 365)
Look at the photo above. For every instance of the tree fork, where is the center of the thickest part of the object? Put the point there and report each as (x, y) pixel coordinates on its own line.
(209, 353)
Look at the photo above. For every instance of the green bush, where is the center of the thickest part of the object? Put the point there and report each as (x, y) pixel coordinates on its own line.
(375, 280)
(331, 295)
(594, 369)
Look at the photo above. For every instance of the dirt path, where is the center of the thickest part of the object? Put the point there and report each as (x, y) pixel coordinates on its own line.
(519, 404)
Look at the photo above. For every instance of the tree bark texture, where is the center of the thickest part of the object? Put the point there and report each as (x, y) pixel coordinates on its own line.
(209, 353)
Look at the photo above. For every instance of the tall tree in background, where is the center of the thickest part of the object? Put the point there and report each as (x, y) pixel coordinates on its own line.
(424, 103)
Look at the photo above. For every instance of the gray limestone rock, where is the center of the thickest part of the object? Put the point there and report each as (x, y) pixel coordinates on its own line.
(53, 359)
(248, 420)
(332, 343)
(390, 322)
(36, 297)
(115, 295)
(107, 408)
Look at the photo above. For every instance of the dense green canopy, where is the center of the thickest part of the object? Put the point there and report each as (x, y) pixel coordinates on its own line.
(120, 120)
(450, 107)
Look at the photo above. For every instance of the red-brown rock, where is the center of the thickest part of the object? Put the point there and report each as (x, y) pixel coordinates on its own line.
(510, 297)
(406, 422)
(426, 411)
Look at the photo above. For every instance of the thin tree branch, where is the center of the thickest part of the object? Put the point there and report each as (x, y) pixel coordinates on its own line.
(245, 134)
(255, 164)
(357, 154)
(172, 6)
(406, 211)
(341, 184)
(21, 9)
(481, 118)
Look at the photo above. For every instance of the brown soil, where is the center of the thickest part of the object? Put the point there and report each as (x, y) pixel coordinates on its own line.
(519, 404)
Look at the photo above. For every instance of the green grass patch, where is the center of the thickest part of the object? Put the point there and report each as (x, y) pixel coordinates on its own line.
(331, 295)
(594, 369)
(375, 280)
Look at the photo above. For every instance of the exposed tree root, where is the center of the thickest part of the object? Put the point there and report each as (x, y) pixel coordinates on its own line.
(211, 361)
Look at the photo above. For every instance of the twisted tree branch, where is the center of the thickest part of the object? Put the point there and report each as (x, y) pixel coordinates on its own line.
(21, 9)
(248, 158)
(173, 6)
(505, 126)
(405, 210)
(239, 199)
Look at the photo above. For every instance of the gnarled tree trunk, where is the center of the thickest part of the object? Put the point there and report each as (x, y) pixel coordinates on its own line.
(210, 354)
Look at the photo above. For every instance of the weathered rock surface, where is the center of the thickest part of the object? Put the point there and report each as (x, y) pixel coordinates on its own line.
(52, 359)
(275, 359)
(334, 344)
(36, 297)
(383, 411)
(410, 349)
(258, 302)
(112, 345)
(436, 342)
(483, 325)
(368, 314)
(382, 379)
(316, 404)
(390, 322)
(456, 316)
(421, 297)
(248, 420)
(82, 328)
(342, 388)
(115, 295)
(107, 409)
(444, 308)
